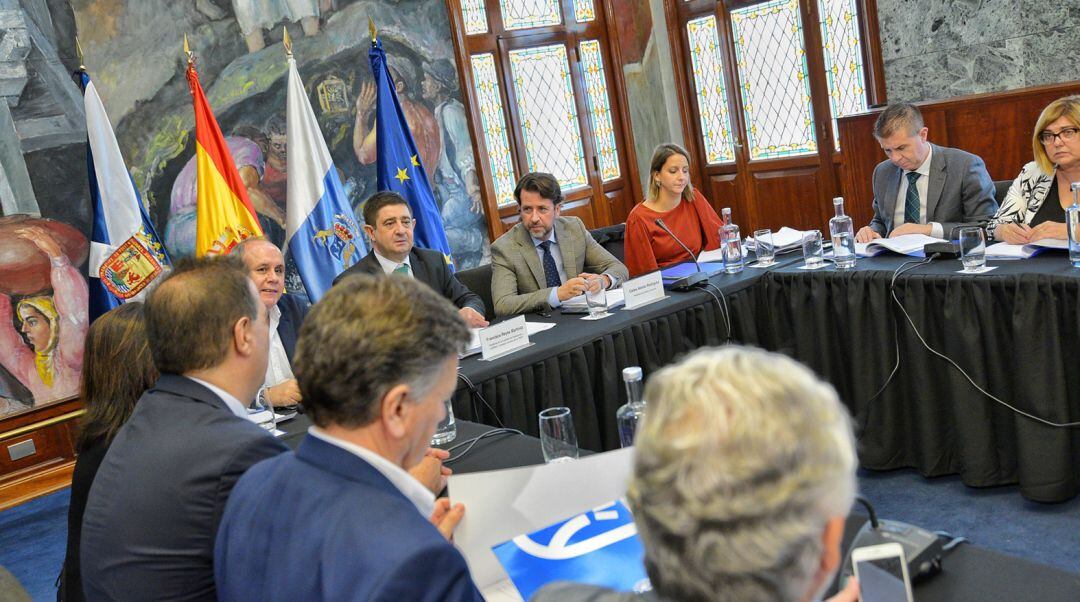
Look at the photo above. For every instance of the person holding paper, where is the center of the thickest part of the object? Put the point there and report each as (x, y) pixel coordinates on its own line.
(923, 188)
(341, 518)
(683, 210)
(389, 224)
(545, 258)
(266, 268)
(1034, 207)
(744, 473)
(157, 498)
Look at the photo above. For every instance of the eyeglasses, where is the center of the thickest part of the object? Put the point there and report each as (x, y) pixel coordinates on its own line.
(1066, 135)
(392, 223)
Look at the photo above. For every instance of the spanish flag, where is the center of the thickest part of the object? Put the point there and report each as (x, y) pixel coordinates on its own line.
(224, 214)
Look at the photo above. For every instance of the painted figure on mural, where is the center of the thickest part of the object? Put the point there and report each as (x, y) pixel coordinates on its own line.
(253, 16)
(41, 337)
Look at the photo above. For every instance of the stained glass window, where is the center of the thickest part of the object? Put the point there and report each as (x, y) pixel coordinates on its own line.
(584, 10)
(494, 124)
(596, 93)
(771, 61)
(709, 84)
(549, 120)
(475, 16)
(843, 59)
(522, 14)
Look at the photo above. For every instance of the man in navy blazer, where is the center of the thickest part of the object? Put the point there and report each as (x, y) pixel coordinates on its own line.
(341, 519)
(266, 268)
(923, 188)
(389, 224)
(155, 504)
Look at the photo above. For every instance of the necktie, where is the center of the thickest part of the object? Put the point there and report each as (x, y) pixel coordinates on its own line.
(911, 199)
(551, 271)
(402, 269)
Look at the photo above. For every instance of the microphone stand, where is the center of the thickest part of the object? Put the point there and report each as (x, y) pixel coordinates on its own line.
(691, 280)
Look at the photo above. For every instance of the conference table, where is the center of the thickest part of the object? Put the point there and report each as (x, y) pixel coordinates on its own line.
(1010, 330)
(970, 572)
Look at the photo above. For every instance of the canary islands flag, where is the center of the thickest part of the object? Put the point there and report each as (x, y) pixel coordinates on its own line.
(224, 214)
(126, 254)
(399, 168)
(322, 235)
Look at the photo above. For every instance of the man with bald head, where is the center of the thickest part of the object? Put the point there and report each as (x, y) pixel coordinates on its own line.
(266, 267)
(156, 502)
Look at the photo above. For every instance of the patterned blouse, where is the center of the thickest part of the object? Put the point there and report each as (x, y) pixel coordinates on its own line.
(1025, 197)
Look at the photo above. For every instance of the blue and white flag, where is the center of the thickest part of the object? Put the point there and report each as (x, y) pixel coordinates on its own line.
(600, 547)
(399, 167)
(321, 232)
(126, 255)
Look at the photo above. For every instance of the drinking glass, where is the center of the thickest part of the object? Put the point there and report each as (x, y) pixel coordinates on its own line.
(763, 247)
(972, 249)
(557, 437)
(596, 296)
(446, 431)
(731, 243)
(811, 249)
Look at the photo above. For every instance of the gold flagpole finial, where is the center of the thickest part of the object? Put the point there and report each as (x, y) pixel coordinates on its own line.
(371, 28)
(187, 51)
(79, 51)
(286, 41)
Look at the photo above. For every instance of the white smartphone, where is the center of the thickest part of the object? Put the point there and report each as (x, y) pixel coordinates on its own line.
(882, 572)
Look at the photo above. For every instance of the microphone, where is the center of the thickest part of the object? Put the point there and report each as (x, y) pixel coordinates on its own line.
(690, 280)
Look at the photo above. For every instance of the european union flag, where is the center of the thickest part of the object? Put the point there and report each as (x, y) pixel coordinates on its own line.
(399, 168)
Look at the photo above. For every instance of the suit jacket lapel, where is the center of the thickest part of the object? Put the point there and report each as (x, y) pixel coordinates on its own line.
(286, 330)
(419, 268)
(528, 252)
(568, 248)
(891, 190)
(936, 184)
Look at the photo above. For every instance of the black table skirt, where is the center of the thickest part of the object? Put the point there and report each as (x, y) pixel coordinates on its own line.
(1014, 330)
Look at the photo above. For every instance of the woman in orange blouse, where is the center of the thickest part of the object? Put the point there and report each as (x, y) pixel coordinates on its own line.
(684, 211)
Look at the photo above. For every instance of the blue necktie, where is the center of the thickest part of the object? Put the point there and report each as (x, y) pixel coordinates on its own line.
(551, 271)
(911, 199)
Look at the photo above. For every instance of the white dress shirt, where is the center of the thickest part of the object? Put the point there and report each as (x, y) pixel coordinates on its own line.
(278, 369)
(556, 254)
(233, 403)
(922, 185)
(389, 265)
(404, 482)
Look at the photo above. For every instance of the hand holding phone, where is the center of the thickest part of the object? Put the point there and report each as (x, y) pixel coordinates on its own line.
(882, 573)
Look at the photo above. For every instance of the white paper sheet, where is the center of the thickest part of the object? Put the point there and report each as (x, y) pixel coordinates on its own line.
(908, 244)
(502, 504)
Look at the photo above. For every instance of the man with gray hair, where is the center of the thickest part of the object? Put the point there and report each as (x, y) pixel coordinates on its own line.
(744, 474)
(340, 517)
(923, 188)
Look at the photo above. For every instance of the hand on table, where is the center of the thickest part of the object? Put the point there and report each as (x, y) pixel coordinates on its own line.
(1014, 234)
(571, 288)
(1049, 230)
(866, 234)
(284, 394)
(472, 318)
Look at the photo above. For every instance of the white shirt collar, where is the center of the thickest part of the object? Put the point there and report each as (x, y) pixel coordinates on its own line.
(233, 403)
(275, 316)
(404, 482)
(389, 265)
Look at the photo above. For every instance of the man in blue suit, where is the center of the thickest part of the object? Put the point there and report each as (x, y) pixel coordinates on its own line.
(266, 268)
(340, 518)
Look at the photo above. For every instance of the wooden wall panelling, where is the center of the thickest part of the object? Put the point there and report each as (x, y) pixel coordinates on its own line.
(790, 197)
(53, 431)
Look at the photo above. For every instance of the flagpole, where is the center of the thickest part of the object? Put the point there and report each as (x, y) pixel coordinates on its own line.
(371, 28)
(286, 41)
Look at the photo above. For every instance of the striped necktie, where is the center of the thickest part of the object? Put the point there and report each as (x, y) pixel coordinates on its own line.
(551, 271)
(911, 199)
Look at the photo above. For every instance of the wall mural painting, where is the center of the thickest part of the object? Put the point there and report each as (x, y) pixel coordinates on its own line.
(132, 51)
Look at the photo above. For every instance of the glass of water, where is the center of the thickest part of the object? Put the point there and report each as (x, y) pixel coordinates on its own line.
(596, 296)
(972, 249)
(763, 247)
(557, 437)
(446, 431)
(811, 249)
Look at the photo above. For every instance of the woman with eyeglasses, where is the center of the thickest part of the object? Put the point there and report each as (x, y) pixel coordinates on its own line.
(1034, 207)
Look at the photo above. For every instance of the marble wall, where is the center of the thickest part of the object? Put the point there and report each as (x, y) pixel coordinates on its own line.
(935, 49)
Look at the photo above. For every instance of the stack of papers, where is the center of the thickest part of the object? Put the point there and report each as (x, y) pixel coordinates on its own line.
(908, 244)
(1004, 250)
(786, 239)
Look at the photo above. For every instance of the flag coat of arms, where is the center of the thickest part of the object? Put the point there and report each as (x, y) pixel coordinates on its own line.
(322, 235)
(398, 166)
(126, 254)
(223, 212)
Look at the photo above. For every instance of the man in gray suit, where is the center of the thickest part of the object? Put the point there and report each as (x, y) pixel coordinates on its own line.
(154, 508)
(924, 188)
(546, 259)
